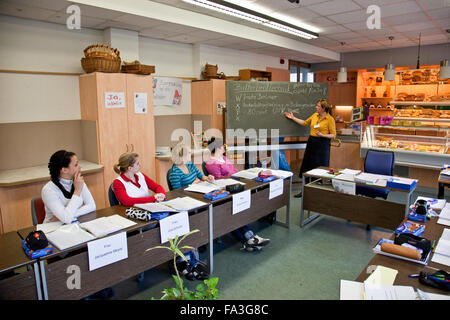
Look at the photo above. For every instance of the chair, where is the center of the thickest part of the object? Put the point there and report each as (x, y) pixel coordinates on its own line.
(37, 210)
(168, 181)
(112, 197)
(205, 172)
(378, 162)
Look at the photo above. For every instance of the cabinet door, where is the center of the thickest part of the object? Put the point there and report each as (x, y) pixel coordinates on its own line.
(141, 127)
(112, 125)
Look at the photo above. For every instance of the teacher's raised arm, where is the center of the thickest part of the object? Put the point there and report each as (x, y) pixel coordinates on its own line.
(291, 116)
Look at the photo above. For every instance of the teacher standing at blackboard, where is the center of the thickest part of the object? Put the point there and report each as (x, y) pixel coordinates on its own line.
(323, 129)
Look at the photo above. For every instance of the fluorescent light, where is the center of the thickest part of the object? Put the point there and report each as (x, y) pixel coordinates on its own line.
(344, 107)
(253, 16)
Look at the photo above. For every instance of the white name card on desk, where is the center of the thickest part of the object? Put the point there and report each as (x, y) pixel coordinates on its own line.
(107, 250)
(241, 201)
(275, 188)
(174, 225)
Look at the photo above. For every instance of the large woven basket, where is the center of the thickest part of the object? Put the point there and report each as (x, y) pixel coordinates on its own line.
(101, 58)
(210, 69)
(100, 64)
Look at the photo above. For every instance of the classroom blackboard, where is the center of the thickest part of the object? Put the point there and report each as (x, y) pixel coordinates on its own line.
(261, 105)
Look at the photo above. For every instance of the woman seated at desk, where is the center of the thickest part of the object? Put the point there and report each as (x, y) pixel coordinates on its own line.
(220, 167)
(66, 196)
(132, 186)
(182, 174)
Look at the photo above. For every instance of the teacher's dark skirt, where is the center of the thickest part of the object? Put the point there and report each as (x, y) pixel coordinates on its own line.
(317, 154)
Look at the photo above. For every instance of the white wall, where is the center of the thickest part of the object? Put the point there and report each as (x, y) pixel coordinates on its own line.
(230, 61)
(31, 45)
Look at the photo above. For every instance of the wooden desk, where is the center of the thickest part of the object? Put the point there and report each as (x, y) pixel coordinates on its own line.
(433, 231)
(55, 273)
(222, 219)
(375, 212)
(20, 286)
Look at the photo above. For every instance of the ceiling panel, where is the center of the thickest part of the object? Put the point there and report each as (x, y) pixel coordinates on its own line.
(433, 4)
(334, 7)
(348, 17)
(406, 18)
(23, 11)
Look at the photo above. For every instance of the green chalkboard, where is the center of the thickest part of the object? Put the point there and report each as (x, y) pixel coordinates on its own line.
(261, 105)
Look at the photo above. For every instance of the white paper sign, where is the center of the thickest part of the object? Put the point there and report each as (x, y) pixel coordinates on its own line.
(140, 102)
(241, 201)
(107, 250)
(344, 186)
(115, 100)
(174, 225)
(167, 91)
(275, 188)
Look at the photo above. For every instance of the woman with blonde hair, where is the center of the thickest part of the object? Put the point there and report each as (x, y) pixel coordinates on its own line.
(183, 171)
(132, 186)
(323, 130)
(182, 174)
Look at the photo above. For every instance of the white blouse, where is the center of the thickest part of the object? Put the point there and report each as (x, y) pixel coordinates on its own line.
(66, 210)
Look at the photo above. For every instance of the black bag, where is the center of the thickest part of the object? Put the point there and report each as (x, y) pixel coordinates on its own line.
(234, 188)
(415, 241)
(36, 240)
(440, 279)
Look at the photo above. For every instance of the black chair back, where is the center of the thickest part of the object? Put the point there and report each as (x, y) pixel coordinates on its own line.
(112, 197)
(205, 172)
(168, 181)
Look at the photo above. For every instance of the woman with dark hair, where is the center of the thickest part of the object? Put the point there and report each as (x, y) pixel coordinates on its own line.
(220, 167)
(66, 196)
(323, 130)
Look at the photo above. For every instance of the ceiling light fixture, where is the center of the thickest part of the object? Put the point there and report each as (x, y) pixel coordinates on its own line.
(342, 73)
(389, 69)
(253, 16)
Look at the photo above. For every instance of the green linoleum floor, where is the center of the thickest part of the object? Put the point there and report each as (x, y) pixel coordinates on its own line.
(299, 264)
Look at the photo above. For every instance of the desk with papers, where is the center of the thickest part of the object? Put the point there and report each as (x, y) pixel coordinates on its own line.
(323, 198)
(67, 272)
(433, 232)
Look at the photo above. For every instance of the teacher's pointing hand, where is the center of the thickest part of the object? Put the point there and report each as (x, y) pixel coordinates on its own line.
(289, 115)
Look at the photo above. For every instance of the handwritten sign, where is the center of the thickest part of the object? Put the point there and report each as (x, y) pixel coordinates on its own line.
(167, 91)
(241, 201)
(174, 225)
(114, 100)
(107, 250)
(140, 102)
(275, 188)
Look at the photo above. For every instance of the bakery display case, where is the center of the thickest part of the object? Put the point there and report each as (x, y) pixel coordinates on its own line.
(418, 137)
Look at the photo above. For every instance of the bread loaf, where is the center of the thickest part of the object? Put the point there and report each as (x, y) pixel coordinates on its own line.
(401, 251)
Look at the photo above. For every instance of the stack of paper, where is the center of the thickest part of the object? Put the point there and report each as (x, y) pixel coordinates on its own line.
(321, 173)
(281, 173)
(202, 187)
(49, 227)
(250, 174)
(350, 172)
(102, 226)
(154, 207)
(68, 236)
(442, 251)
(370, 178)
(184, 203)
(222, 183)
(444, 216)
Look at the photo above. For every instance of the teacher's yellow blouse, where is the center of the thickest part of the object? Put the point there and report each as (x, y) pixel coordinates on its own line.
(326, 126)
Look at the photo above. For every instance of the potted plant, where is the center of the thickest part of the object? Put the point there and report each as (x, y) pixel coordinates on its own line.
(180, 292)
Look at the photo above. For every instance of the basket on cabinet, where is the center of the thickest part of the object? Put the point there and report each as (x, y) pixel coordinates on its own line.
(101, 58)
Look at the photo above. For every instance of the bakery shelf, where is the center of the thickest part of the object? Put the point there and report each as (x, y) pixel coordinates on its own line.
(396, 135)
(411, 127)
(420, 103)
(423, 119)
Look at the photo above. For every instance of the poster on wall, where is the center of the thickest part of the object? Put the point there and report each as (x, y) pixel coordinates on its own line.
(167, 91)
(115, 100)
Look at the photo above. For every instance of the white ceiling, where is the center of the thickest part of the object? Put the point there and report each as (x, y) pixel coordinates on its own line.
(337, 21)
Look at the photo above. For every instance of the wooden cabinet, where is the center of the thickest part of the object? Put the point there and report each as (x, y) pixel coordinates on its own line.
(250, 74)
(119, 129)
(204, 98)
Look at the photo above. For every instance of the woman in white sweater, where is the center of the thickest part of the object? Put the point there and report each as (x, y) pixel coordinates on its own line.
(66, 196)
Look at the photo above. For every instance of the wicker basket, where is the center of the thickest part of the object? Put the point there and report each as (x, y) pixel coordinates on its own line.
(101, 51)
(100, 64)
(136, 67)
(211, 70)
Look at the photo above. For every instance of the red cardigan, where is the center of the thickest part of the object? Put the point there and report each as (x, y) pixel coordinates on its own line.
(125, 200)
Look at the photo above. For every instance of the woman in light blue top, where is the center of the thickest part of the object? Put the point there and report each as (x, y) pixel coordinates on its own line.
(182, 174)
